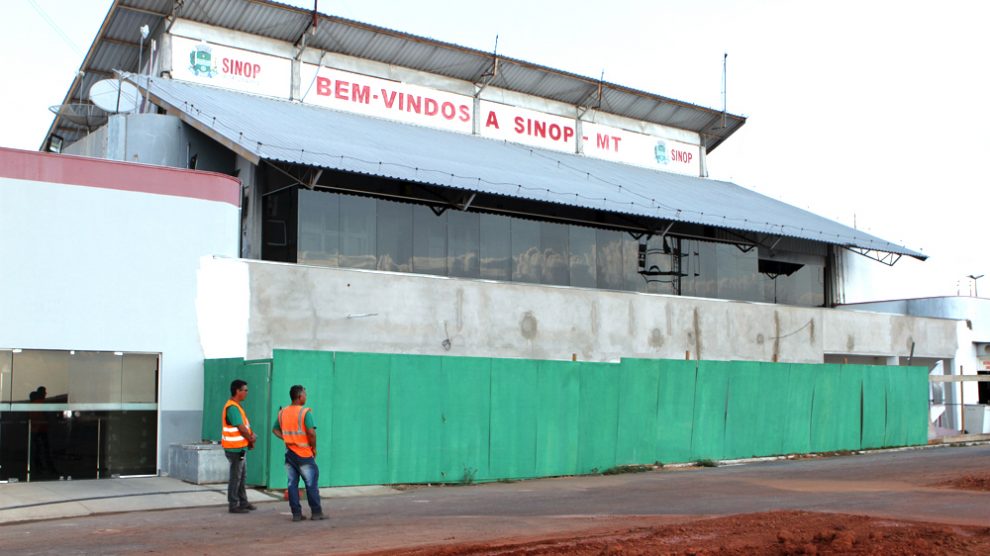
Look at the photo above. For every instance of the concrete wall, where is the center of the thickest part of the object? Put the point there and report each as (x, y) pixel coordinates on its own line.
(971, 316)
(314, 308)
(103, 256)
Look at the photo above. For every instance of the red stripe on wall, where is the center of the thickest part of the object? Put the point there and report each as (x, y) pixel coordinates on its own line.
(123, 176)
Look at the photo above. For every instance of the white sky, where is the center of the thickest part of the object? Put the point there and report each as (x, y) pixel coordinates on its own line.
(866, 110)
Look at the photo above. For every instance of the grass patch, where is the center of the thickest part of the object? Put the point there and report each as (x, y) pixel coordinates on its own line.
(706, 463)
(622, 469)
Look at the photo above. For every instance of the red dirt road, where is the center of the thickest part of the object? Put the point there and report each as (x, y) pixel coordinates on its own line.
(777, 533)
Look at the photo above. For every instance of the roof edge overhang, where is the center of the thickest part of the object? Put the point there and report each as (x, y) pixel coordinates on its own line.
(712, 135)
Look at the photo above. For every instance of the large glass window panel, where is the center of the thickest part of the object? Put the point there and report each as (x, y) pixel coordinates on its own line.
(319, 235)
(429, 241)
(496, 247)
(395, 236)
(806, 287)
(553, 242)
(738, 274)
(609, 260)
(6, 362)
(95, 377)
(127, 443)
(139, 383)
(662, 256)
(527, 257)
(358, 232)
(582, 244)
(463, 244)
(701, 270)
(39, 367)
(630, 264)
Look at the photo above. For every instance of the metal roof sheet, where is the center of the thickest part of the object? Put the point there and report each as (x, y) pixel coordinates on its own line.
(271, 129)
(336, 34)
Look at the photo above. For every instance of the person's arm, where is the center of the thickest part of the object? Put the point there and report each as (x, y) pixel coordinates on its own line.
(311, 436)
(277, 429)
(234, 418)
(250, 436)
(310, 426)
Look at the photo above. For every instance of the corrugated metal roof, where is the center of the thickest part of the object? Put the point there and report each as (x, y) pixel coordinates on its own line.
(115, 47)
(270, 129)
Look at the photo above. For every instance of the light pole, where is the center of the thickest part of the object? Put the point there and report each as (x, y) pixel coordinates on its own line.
(974, 278)
(144, 34)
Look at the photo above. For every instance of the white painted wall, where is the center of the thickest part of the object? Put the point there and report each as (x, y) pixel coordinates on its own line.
(91, 268)
(301, 307)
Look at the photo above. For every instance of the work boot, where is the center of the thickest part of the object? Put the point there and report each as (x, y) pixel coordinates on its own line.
(249, 507)
(318, 517)
(298, 517)
(239, 510)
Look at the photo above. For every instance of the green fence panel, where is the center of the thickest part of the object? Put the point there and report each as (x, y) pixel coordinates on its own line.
(466, 419)
(775, 378)
(257, 374)
(849, 407)
(217, 375)
(415, 429)
(559, 388)
(359, 437)
(598, 416)
(314, 371)
(826, 419)
(897, 408)
(748, 428)
(796, 407)
(875, 379)
(675, 409)
(917, 385)
(513, 418)
(710, 397)
(636, 441)
(907, 406)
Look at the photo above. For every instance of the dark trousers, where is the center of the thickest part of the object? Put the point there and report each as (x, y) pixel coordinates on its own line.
(236, 491)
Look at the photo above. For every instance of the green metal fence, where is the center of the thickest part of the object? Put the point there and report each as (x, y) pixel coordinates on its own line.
(392, 418)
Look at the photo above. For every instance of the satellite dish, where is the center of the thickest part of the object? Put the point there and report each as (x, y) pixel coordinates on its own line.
(114, 96)
(82, 115)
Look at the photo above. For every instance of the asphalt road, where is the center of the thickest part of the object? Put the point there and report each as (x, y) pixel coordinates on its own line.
(892, 484)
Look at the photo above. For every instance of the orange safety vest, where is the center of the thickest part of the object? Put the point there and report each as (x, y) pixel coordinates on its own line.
(231, 436)
(292, 421)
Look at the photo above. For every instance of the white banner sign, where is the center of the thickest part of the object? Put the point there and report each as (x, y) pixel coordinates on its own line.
(619, 145)
(231, 68)
(392, 100)
(529, 127)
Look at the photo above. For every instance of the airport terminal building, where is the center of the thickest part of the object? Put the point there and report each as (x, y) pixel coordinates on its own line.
(393, 194)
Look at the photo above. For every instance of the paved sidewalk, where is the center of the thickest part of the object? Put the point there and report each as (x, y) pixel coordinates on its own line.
(21, 502)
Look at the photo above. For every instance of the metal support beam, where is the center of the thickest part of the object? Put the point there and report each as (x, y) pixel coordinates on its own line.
(885, 257)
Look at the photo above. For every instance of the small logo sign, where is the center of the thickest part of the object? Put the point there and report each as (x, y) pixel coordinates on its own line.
(660, 152)
(201, 61)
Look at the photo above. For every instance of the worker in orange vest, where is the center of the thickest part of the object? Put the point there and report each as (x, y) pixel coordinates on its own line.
(296, 427)
(235, 437)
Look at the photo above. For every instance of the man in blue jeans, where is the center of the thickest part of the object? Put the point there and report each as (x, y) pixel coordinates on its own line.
(295, 426)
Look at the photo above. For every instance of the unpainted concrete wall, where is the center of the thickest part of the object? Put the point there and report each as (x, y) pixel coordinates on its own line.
(315, 308)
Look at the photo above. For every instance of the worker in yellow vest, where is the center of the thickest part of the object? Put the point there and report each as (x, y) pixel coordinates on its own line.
(296, 427)
(236, 437)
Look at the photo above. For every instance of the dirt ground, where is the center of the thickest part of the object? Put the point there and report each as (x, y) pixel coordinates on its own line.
(769, 533)
(920, 502)
(777, 533)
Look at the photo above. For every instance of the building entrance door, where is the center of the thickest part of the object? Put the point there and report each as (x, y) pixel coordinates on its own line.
(77, 414)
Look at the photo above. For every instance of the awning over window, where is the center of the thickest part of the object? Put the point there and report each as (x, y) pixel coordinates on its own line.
(269, 129)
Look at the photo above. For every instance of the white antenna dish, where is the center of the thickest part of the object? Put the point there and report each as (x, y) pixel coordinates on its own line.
(114, 96)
